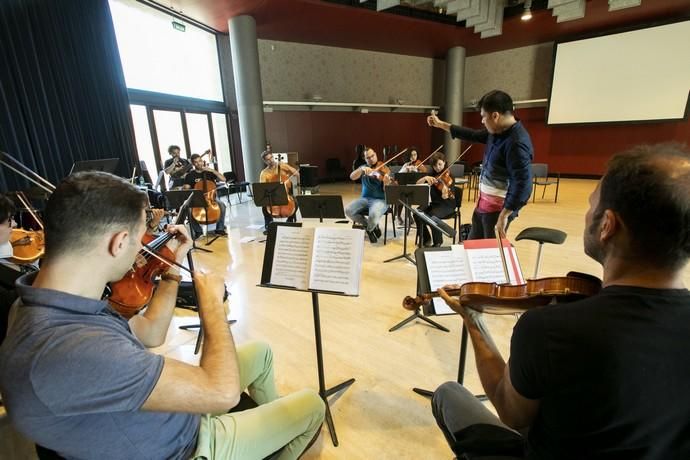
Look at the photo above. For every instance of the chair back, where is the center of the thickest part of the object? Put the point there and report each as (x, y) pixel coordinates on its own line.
(230, 176)
(333, 164)
(540, 170)
(394, 168)
(457, 170)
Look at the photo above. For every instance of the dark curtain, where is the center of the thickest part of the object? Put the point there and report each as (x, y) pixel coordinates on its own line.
(63, 96)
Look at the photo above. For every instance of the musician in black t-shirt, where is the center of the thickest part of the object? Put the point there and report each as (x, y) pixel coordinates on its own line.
(605, 377)
(176, 166)
(199, 173)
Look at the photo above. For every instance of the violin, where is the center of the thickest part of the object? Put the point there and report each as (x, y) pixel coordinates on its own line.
(504, 299)
(134, 291)
(285, 210)
(380, 170)
(27, 245)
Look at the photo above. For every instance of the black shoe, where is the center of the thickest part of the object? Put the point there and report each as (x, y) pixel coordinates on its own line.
(377, 231)
(427, 243)
(437, 245)
(372, 236)
(358, 227)
(221, 233)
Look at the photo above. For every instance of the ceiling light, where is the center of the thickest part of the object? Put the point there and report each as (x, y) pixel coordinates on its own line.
(527, 14)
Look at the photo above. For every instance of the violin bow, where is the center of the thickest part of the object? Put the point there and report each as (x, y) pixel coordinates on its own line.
(390, 159)
(456, 160)
(25, 202)
(424, 160)
(503, 255)
(30, 175)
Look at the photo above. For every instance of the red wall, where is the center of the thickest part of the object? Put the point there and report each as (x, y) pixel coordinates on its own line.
(318, 136)
(567, 149)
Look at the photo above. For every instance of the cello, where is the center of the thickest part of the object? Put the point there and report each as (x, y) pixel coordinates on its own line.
(210, 213)
(285, 210)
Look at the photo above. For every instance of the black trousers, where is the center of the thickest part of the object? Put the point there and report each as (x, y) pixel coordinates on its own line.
(484, 224)
(440, 211)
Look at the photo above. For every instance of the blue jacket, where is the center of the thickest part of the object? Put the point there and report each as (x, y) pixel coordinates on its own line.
(507, 161)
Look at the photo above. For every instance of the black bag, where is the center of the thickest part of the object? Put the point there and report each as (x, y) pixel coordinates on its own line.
(465, 230)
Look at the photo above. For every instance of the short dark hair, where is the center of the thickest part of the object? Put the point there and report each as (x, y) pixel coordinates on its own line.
(265, 153)
(496, 101)
(86, 205)
(437, 156)
(194, 156)
(7, 208)
(648, 187)
(173, 147)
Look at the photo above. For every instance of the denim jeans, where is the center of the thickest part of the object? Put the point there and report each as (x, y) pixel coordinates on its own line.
(374, 207)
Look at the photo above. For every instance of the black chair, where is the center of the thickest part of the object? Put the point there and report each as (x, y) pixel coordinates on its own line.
(335, 171)
(541, 177)
(235, 186)
(541, 235)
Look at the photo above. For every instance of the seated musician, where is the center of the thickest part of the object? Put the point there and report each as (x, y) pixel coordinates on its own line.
(201, 173)
(413, 163)
(9, 271)
(271, 174)
(373, 200)
(605, 377)
(77, 378)
(442, 202)
(176, 166)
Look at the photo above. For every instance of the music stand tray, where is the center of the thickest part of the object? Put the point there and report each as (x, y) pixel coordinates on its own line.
(269, 194)
(409, 178)
(106, 165)
(175, 198)
(321, 206)
(406, 195)
(432, 221)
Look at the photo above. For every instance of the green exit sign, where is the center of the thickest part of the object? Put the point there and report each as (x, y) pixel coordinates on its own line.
(178, 26)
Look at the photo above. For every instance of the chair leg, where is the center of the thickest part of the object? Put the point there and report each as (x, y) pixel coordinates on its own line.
(455, 226)
(534, 192)
(543, 192)
(385, 228)
(558, 182)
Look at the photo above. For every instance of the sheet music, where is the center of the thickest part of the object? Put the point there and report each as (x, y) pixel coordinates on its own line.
(446, 267)
(486, 265)
(337, 260)
(292, 256)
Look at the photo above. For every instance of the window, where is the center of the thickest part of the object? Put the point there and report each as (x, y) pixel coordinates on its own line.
(156, 57)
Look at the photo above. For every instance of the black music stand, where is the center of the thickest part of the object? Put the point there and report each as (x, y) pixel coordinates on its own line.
(265, 282)
(321, 206)
(269, 194)
(406, 195)
(408, 178)
(423, 286)
(106, 165)
(422, 283)
(174, 200)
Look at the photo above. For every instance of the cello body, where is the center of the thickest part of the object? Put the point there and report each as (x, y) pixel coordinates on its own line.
(288, 209)
(211, 213)
(27, 245)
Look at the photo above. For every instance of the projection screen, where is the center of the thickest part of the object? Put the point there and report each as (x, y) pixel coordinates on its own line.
(641, 75)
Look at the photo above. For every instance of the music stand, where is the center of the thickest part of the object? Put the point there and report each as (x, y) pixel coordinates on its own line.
(433, 221)
(321, 206)
(106, 165)
(408, 178)
(175, 198)
(269, 194)
(406, 195)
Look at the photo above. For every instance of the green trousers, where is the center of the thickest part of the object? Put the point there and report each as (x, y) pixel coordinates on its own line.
(284, 424)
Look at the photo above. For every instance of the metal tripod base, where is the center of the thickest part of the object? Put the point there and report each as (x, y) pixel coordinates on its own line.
(418, 315)
(329, 419)
(401, 256)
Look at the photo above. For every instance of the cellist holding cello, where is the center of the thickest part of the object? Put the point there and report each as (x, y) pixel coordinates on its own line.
(276, 171)
(193, 179)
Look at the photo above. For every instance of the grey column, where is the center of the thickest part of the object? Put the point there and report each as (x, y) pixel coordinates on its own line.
(455, 81)
(245, 59)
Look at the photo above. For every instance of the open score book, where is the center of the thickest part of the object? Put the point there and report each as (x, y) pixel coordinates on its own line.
(322, 259)
(474, 261)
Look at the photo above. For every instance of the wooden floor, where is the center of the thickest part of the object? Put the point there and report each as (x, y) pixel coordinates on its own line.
(379, 417)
